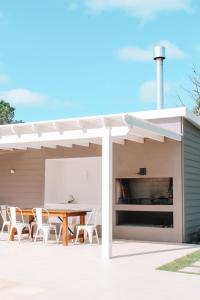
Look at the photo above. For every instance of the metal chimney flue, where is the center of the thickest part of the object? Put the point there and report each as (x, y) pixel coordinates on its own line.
(159, 56)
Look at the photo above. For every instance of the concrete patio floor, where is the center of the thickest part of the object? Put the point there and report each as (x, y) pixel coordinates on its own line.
(35, 271)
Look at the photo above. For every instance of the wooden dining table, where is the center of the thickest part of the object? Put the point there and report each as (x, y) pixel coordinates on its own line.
(63, 215)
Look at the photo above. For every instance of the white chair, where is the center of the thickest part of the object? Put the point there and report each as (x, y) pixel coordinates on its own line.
(71, 226)
(44, 227)
(15, 224)
(89, 228)
(4, 215)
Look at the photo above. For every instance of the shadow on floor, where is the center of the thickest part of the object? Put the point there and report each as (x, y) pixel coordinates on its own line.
(185, 246)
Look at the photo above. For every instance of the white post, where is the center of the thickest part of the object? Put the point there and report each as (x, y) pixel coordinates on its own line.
(159, 56)
(160, 86)
(107, 165)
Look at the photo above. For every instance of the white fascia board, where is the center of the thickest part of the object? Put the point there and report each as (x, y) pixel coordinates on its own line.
(169, 113)
(52, 136)
(160, 113)
(137, 124)
(87, 122)
(93, 122)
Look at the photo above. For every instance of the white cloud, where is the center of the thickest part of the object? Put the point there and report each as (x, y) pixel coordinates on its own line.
(141, 54)
(135, 54)
(147, 91)
(23, 97)
(4, 78)
(144, 9)
(172, 51)
(61, 104)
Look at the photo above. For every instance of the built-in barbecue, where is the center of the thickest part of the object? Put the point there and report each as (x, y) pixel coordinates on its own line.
(145, 191)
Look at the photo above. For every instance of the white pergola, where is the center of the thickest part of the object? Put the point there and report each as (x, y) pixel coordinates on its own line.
(103, 130)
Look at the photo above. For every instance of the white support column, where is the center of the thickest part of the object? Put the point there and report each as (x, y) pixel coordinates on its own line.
(107, 182)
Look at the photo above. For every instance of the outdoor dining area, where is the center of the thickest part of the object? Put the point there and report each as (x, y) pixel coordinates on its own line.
(41, 223)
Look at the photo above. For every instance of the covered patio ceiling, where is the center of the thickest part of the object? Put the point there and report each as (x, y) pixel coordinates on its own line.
(103, 130)
(81, 131)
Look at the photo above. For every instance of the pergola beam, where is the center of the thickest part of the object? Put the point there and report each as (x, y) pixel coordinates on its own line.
(146, 134)
(118, 141)
(81, 131)
(82, 144)
(135, 138)
(64, 144)
(149, 128)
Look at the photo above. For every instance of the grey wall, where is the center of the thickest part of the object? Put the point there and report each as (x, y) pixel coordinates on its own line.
(191, 154)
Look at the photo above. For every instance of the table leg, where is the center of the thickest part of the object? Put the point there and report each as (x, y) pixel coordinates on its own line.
(82, 222)
(65, 231)
(12, 234)
(30, 220)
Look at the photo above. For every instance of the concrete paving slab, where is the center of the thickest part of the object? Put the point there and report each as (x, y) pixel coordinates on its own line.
(14, 290)
(36, 271)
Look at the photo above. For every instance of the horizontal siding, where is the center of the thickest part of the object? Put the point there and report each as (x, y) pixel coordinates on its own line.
(191, 179)
(25, 188)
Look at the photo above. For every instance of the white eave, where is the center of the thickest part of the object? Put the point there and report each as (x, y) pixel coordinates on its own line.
(83, 131)
(169, 113)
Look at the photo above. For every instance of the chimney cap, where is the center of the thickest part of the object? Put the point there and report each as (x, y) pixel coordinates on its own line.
(159, 52)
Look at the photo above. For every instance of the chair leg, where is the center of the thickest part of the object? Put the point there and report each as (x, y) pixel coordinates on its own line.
(8, 226)
(60, 231)
(55, 234)
(10, 233)
(19, 233)
(3, 226)
(96, 235)
(36, 234)
(32, 228)
(29, 230)
(45, 235)
(77, 234)
(90, 234)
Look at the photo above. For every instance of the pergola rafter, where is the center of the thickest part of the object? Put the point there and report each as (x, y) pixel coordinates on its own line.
(82, 132)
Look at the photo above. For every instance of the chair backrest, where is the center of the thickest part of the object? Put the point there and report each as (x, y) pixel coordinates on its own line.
(39, 213)
(3, 213)
(91, 218)
(12, 213)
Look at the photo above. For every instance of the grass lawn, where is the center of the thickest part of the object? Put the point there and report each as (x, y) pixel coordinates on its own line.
(181, 263)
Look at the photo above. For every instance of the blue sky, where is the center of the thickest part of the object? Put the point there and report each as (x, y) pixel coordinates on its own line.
(69, 58)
